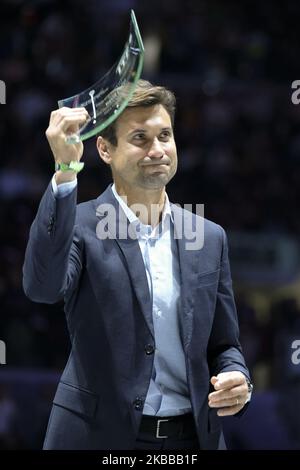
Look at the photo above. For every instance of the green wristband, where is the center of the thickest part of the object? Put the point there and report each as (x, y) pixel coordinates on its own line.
(72, 166)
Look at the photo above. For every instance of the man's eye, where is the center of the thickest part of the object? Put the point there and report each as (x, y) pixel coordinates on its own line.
(139, 136)
(165, 135)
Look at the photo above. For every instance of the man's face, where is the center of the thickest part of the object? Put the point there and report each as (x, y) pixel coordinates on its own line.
(145, 156)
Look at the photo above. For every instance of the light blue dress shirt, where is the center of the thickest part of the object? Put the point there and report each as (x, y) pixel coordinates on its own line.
(168, 393)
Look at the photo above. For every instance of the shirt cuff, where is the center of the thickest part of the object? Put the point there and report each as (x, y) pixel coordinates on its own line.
(250, 389)
(63, 189)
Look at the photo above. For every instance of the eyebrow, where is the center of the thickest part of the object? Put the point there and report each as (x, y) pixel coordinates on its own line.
(145, 130)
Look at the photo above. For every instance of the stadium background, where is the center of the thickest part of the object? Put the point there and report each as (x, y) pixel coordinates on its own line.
(231, 65)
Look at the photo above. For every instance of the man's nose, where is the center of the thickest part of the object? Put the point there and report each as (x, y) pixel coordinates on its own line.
(156, 149)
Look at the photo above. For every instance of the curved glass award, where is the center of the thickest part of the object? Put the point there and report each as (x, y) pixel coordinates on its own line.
(109, 96)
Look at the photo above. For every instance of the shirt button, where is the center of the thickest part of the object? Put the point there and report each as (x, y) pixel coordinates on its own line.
(149, 349)
(138, 403)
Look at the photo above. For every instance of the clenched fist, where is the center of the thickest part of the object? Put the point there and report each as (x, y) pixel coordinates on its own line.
(63, 122)
(231, 393)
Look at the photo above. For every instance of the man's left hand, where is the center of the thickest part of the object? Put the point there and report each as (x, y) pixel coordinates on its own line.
(231, 393)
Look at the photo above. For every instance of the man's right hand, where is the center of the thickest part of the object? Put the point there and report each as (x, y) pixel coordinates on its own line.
(63, 122)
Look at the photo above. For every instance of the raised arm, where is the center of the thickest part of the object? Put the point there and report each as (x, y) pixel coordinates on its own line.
(53, 255)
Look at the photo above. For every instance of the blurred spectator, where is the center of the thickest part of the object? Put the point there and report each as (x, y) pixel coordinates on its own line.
(8, 420)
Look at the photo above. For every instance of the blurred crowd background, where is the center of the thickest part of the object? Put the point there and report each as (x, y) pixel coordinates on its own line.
(231, 65)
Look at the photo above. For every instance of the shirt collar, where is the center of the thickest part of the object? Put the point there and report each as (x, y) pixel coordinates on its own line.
(133, 219)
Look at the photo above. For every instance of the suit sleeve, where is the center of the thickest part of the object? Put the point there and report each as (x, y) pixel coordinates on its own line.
(53, 255)
(224, 349)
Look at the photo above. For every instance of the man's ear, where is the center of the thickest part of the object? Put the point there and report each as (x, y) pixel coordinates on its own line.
(103, 150)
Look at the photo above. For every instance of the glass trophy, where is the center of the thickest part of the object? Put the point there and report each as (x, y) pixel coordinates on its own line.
(109, 96)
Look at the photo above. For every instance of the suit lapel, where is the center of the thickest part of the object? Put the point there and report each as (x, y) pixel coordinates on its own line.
(129, 247)
(188, 267)
(136, 268)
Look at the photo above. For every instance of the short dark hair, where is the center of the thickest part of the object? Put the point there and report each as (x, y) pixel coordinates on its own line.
(145, 94)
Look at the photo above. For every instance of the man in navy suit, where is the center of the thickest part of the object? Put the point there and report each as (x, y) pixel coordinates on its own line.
(155, 357)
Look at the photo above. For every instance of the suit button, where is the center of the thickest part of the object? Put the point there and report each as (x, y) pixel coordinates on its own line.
(50, 224)
(138, 403)
(149, 349)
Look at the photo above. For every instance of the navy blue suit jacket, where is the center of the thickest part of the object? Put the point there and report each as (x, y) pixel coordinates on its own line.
(99, 400)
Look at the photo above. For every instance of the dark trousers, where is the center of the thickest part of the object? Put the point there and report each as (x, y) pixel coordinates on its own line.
(170, 433)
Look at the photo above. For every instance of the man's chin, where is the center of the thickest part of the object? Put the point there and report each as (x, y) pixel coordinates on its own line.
(157, 181)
